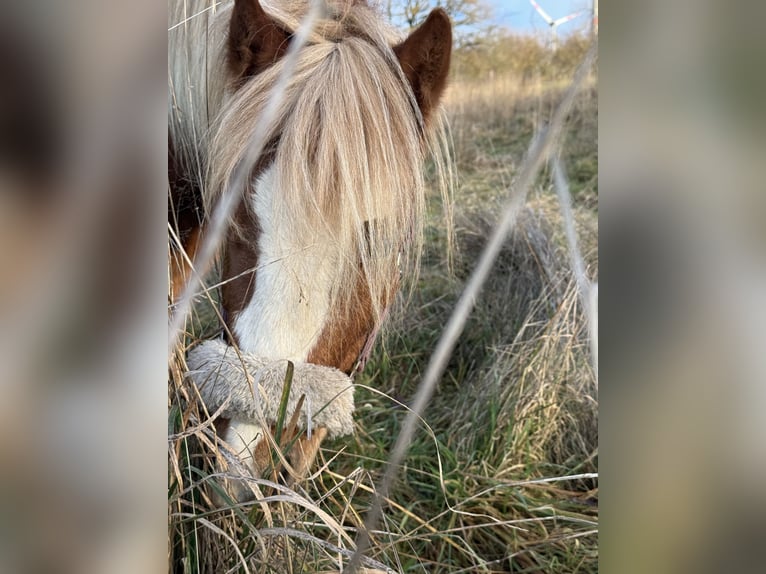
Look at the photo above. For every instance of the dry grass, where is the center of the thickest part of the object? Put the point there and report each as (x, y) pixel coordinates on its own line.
(504, 478)
(493, 122)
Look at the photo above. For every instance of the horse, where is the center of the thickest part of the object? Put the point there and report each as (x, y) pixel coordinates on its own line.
(332, 211)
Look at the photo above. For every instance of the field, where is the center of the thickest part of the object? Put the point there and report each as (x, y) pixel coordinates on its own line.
(502, 475)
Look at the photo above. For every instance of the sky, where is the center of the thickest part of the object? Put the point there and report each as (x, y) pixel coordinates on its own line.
(520, 16)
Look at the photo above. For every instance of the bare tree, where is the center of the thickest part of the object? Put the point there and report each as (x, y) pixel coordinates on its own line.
(471, 18)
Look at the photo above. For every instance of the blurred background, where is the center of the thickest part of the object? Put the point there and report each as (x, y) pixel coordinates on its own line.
(82, 312)
(682, 238)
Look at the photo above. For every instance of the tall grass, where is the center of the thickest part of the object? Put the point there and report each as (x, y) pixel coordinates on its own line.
(504, 477)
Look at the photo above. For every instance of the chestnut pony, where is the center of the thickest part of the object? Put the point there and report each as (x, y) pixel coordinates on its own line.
(335, 204)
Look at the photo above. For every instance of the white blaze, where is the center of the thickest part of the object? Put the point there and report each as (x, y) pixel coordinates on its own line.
(290, 302)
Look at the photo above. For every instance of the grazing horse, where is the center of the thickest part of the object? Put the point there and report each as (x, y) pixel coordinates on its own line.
(334, 206)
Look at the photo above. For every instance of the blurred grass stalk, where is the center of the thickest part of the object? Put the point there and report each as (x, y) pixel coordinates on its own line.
(587, 289)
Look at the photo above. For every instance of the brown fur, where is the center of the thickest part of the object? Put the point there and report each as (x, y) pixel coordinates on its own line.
(240, 255)
(425, 58)
(240, 259)
(343, 338)
(180, 267)
(255, 41)
(185, 216)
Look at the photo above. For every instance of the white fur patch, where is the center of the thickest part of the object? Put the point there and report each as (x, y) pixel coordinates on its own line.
(242, 436)
(290, 303)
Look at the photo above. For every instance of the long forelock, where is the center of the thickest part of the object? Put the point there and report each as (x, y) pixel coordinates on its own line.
(351, 147)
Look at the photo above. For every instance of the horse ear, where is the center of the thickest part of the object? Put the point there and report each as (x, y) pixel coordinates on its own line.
(425, 56)
(255, 40)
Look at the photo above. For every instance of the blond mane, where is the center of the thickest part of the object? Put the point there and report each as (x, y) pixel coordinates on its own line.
(349, 140)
